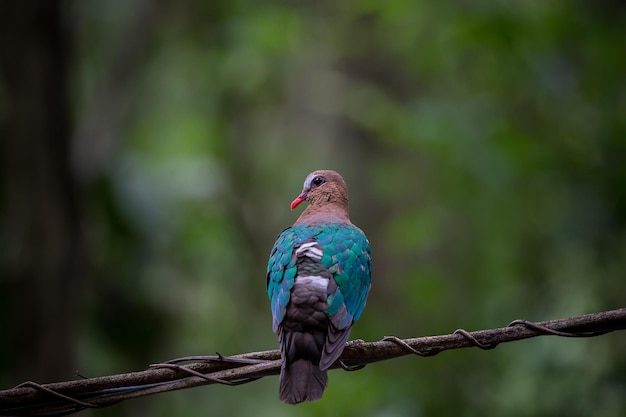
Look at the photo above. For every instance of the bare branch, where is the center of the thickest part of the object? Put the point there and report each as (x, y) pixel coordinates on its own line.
(67, 397)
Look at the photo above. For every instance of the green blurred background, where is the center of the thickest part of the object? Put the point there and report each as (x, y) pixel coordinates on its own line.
(150, 150)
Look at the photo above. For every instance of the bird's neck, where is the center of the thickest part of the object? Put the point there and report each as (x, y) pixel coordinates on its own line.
(327, 213)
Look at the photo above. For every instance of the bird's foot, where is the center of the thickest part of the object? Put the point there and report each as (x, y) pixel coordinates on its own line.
(349, 368)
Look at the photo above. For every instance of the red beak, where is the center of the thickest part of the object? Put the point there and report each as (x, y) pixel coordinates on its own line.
(295, 203)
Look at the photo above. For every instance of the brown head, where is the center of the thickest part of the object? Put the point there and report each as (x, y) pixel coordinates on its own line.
(327, 195)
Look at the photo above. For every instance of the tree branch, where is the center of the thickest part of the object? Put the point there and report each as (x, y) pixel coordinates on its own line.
(67, 397)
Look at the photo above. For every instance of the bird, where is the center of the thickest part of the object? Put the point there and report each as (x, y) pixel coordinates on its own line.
(318, 279)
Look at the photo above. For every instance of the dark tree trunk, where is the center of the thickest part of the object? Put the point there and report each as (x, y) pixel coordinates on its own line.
(41, 217)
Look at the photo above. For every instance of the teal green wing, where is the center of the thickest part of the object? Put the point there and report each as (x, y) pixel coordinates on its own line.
(348, 256)
(281, 274)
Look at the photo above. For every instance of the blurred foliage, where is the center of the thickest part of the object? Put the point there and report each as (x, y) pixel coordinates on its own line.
(484, 145)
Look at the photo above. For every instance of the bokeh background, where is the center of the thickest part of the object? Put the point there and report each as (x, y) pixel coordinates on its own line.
(150, 150)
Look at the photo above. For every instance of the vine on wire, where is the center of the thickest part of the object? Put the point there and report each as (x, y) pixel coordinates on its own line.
(63, 398)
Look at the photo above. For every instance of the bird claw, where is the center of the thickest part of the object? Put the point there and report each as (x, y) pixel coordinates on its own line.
(349, 368)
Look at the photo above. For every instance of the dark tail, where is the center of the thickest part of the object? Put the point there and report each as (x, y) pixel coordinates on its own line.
(302, 381)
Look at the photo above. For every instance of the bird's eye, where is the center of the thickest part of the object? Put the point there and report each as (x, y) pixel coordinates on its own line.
(317, 181)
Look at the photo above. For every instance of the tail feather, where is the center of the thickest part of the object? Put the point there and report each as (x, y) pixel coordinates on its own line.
(335, 343)
(302, 380)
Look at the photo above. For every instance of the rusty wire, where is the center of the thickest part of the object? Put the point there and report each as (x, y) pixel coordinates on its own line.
(63, 398)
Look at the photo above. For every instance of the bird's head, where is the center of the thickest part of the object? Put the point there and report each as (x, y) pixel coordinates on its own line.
(323, 188)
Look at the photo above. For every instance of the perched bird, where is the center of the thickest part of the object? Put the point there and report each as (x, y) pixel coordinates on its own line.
(318, 277)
